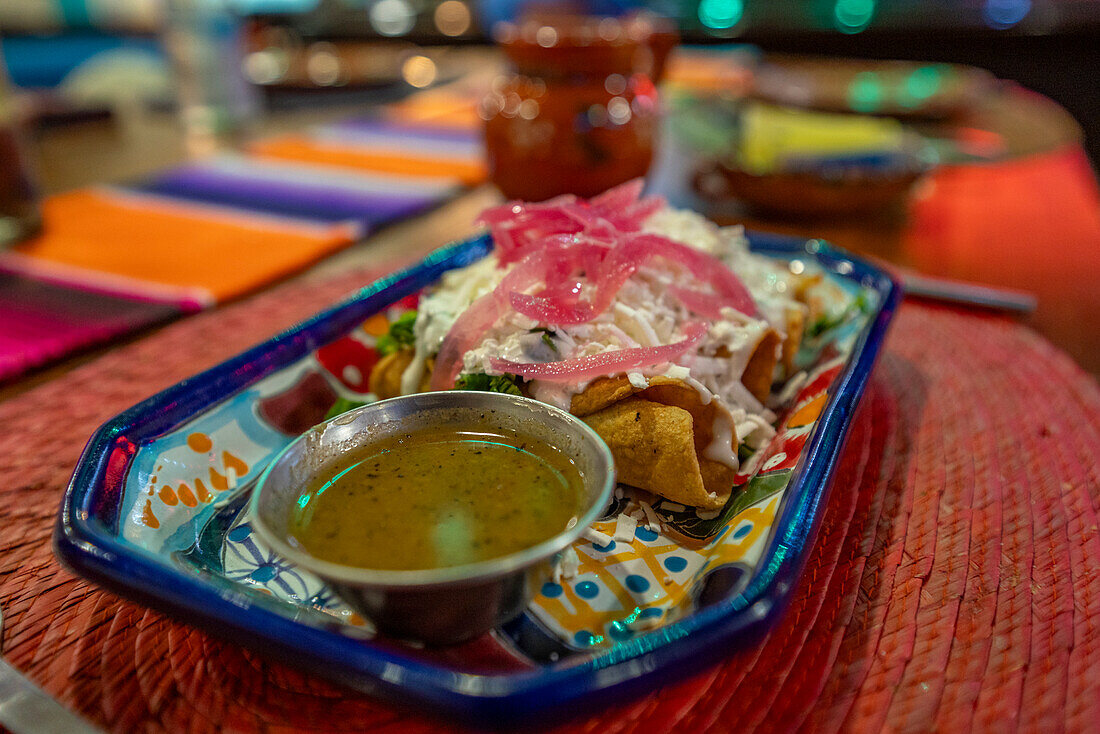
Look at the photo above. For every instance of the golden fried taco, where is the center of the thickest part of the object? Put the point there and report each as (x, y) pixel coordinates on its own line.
(664, 438)
(653, 325)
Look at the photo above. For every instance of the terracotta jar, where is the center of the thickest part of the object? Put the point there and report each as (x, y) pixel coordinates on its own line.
(579, 114)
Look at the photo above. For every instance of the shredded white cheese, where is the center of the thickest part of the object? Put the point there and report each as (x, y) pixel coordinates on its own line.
(624, 527)
(652, 521)
(596, 536)
(567, 564)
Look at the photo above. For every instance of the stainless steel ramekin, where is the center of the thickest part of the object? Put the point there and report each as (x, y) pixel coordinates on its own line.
(444, 605)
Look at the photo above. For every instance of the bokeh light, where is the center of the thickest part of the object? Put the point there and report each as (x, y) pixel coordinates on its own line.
(418, 71)
(853, 16)
(1002, 14)
(323, 65)
(865, 93)
(618, 110)
(721, 15)
(392, 17)
(452, 17)
(920, 85)
(529, 109)
(265, 67)
(546, 36)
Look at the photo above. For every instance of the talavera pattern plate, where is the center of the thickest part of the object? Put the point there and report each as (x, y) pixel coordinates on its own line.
(155, 512)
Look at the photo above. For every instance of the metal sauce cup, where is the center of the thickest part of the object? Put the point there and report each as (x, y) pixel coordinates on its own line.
(441, 605)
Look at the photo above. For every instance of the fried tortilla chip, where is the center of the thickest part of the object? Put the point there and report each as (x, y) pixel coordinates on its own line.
(675, 429)
(385, 378)
(796, 327)
(760, 369)
(654, 449)
(601, 393)
(757, 377)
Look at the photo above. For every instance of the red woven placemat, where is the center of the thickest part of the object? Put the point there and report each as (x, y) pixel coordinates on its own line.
(954, 585)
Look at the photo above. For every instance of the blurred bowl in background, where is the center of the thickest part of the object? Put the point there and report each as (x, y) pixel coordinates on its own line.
(902, 89)
(843, 193)
(799, 163)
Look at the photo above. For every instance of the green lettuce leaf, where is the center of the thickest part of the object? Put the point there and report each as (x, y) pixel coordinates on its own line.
(400, 336)
(489, 383)
(341, 406)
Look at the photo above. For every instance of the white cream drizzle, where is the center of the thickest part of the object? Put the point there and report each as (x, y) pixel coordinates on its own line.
(705, 395)
(722, 446)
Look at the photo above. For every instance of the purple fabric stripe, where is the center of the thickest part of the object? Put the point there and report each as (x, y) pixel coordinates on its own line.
(40, 322)
(406, 132)
(288, 198)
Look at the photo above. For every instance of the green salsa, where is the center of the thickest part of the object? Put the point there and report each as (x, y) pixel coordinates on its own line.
(437, 497)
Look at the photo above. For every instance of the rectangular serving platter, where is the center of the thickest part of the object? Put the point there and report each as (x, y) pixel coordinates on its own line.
(154, 512)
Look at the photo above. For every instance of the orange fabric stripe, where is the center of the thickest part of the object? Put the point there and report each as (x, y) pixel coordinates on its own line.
(296, 148)
(151, 242)
(702, 72)
(444, 108)
(458, 118)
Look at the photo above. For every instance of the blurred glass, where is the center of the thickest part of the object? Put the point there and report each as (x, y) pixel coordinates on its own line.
(217, 104)
(19, 214)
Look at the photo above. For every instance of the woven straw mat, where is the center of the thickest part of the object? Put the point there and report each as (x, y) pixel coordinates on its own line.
(955, 584)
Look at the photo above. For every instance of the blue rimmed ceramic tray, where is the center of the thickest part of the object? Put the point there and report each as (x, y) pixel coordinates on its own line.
(155, 511)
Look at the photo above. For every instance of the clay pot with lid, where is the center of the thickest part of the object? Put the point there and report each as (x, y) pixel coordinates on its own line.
(579, 114)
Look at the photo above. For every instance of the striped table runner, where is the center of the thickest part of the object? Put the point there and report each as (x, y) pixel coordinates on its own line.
(112, 260)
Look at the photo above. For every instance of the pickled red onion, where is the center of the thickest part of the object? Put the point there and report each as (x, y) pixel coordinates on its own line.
(553, 244)
(464, 335)
(553, 312)
(559, 265)
(619, 197)
(518, 227)
(606, 363)
(633, 251)
(704, 304)
(624, 206)
(705, 267)
(466, 332)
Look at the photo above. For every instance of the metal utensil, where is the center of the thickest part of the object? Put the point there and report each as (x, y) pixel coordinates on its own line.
(24, 707)
(967, 294)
